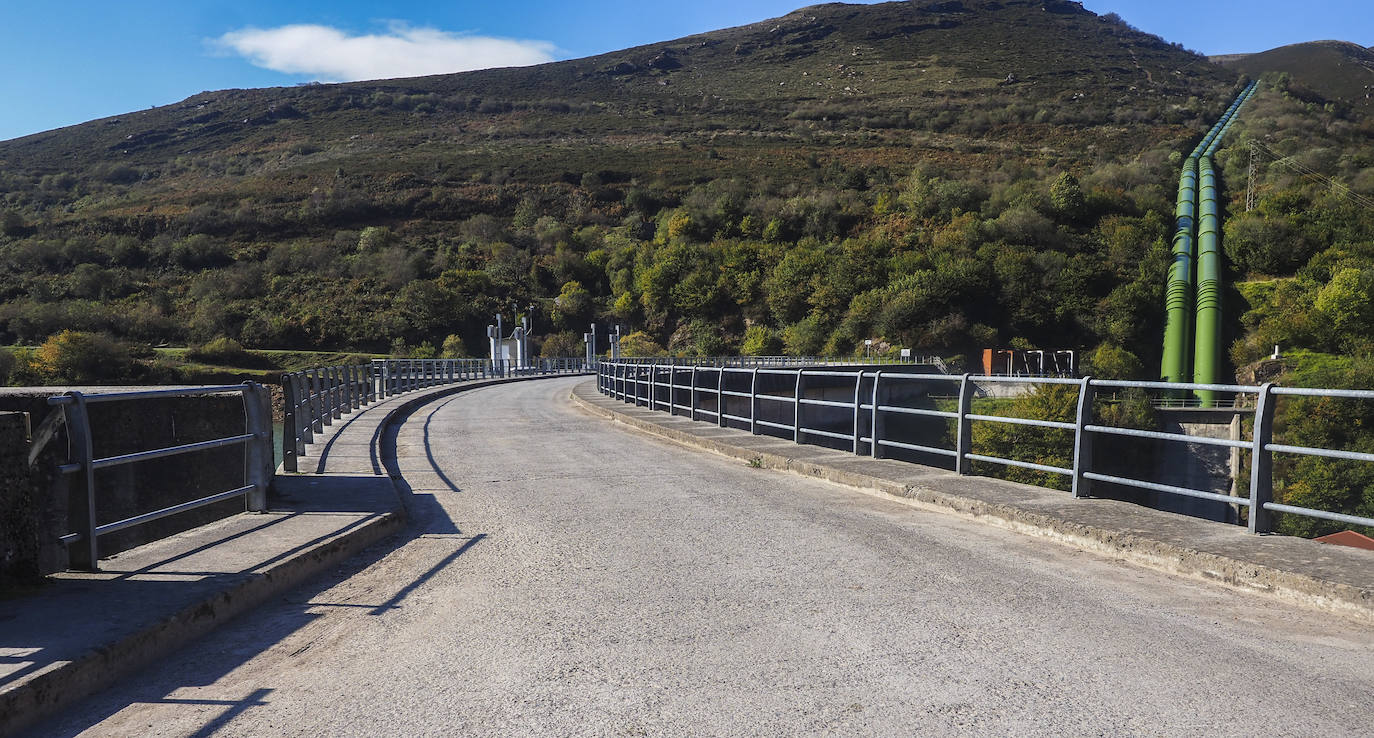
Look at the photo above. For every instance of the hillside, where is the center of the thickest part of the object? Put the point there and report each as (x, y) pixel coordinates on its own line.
(1320, 71)
(908, 172)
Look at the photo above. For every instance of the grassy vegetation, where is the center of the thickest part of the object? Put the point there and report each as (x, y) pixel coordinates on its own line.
(694, 190)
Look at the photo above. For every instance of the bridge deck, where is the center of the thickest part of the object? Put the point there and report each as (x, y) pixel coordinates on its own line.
(562, 575)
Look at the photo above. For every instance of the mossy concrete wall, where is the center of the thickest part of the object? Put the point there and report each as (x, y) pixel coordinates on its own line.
(121, 427)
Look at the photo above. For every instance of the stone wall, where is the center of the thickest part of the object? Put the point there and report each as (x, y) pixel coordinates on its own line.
(19, 509)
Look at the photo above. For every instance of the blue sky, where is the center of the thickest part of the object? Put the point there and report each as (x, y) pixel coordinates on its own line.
(75, 60)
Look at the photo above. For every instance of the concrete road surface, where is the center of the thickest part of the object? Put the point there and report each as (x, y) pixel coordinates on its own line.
(565, 576)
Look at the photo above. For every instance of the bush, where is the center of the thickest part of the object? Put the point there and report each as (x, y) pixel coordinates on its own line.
(219, 351)
(76, 357)
(640, 343)
(562, 345)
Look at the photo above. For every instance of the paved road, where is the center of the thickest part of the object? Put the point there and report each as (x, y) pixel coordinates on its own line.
(569, 577)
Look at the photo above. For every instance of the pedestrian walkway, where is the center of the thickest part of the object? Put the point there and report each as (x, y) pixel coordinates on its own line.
(1337, 579)
(80, 631)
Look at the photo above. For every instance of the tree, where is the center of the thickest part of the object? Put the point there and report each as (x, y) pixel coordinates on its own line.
(562, 345)
(640, 343)
(573, 306)
(1067, 200)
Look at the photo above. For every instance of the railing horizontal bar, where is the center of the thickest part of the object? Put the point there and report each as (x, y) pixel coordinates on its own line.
(1161, 436)
(918, 377)
(828, 434)
(70, 538)
(1022, 464)
(732, 393)
(770, 424)
(712, 413)
(828, 373)
(1129, 384)
(173, 510)
(69, 468)
(1024, 421)
(917, 447)
(728, 416)
(1169, 488)
(776, 398)
(174, 392)
(828, 403)
(171, 451)
(1341, 393)
(1325, 452)
(918, 411)
(1309, 512)
(779, 371)
(1019, 380)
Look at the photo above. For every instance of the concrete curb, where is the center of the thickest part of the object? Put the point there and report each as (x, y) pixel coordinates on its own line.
(103, 665)
(40, 697)
(1290, 586)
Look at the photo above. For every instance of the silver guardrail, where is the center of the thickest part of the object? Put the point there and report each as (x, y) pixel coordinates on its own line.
(676, 388)
(257, 448)
(314, 398)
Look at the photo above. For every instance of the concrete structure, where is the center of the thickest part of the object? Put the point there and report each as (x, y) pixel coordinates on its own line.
(615, 584)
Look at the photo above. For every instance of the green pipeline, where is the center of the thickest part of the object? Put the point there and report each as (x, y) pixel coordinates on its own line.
(1207, 305)
(1195, 244)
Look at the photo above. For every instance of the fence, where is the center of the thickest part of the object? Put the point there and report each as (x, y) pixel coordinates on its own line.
(783, 361)
(314, 398)
(256, 441)
(866, 399)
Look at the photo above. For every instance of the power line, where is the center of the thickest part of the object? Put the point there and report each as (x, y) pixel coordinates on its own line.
(1251, 185)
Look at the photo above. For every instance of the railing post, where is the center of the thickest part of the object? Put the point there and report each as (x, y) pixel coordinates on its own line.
(1262, 461)
(692, 395)
(335, 392)
(754, 402)
(317, 401)
(858, 386)
(86, 556)
(306, 428)
(720, 395)
(1083, 439)
(875, 448)
(257, 453)
(964, 442)
(796, 407)
(290, 431)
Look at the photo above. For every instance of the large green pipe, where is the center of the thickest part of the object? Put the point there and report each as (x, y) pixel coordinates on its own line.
(1178, 300)
(1207, 307)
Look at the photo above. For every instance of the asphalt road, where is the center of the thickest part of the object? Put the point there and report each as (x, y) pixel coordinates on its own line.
(565, 576)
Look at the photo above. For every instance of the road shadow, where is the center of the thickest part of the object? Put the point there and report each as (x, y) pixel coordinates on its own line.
(158, 682)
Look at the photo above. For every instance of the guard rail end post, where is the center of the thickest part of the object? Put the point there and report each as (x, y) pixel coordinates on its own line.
(964, 444)
(289, 429)
(86, 556)
(754, 402)
(692, 396)
(257, 453)
(1083, 440)
(874, 448)
(1262, 461)
(720, 396)
(858, 387)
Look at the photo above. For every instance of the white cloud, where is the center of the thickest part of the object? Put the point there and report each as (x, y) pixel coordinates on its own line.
(329, 54)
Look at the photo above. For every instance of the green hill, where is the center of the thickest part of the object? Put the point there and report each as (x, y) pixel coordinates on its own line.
(1320, 71)
(843, 172)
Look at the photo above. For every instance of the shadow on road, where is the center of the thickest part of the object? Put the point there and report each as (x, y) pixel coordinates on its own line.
(290, 613)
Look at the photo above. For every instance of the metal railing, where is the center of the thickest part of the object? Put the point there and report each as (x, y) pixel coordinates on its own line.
(662, 387)
(780, 361)
(257, 449)
(314, 398)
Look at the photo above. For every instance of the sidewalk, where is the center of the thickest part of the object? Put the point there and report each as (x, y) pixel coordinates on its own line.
(82, 631)
(1335, 579)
